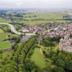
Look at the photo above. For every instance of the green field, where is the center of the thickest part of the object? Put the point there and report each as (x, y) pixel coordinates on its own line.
(1, 31)
(43, 18)
(38, 58)
(5, 45)
(35, 18)
(4, 20)
(3, 36)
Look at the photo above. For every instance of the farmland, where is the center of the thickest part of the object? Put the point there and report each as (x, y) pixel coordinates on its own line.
(41, 18)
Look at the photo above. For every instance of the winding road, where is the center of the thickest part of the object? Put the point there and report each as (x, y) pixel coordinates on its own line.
(13, 29)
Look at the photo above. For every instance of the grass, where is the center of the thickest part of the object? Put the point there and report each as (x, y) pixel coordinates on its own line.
(1, 31)
(3, 36)
(4, 20)
(43, 18)
(38, 58)
(5, 45)
(35, 18)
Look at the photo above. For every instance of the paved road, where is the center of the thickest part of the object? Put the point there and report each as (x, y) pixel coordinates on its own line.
(13, 29)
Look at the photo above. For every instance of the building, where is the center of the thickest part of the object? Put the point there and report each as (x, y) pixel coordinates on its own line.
(65, 43)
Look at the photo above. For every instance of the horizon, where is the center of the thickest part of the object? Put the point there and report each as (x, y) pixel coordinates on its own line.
(36, 4)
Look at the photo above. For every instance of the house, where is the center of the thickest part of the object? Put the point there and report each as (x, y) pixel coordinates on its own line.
(65, 43)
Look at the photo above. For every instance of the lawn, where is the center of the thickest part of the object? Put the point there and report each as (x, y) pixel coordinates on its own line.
(1, 31)
(38, 58)
(3, 36)
(5, 44)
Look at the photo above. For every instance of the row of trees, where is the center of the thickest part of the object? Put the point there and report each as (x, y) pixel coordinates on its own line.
(57, 61)
(19, 58)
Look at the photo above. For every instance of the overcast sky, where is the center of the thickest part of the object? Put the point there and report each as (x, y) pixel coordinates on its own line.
(48, 4)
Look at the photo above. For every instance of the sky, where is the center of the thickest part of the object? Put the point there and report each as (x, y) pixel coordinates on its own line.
(46, 4)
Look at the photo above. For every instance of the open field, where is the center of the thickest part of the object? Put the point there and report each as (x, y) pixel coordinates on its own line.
(5, 45)
(35, 18)
(1, 31)
(43, 18)
(3, 36)
(4, 20)
(38, 58)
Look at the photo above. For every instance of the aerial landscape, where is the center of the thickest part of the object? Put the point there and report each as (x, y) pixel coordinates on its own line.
(35, 38)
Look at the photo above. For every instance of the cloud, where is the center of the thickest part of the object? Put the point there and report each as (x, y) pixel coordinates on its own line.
(36, 3)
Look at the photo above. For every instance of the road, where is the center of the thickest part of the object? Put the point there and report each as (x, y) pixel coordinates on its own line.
(13, 29)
